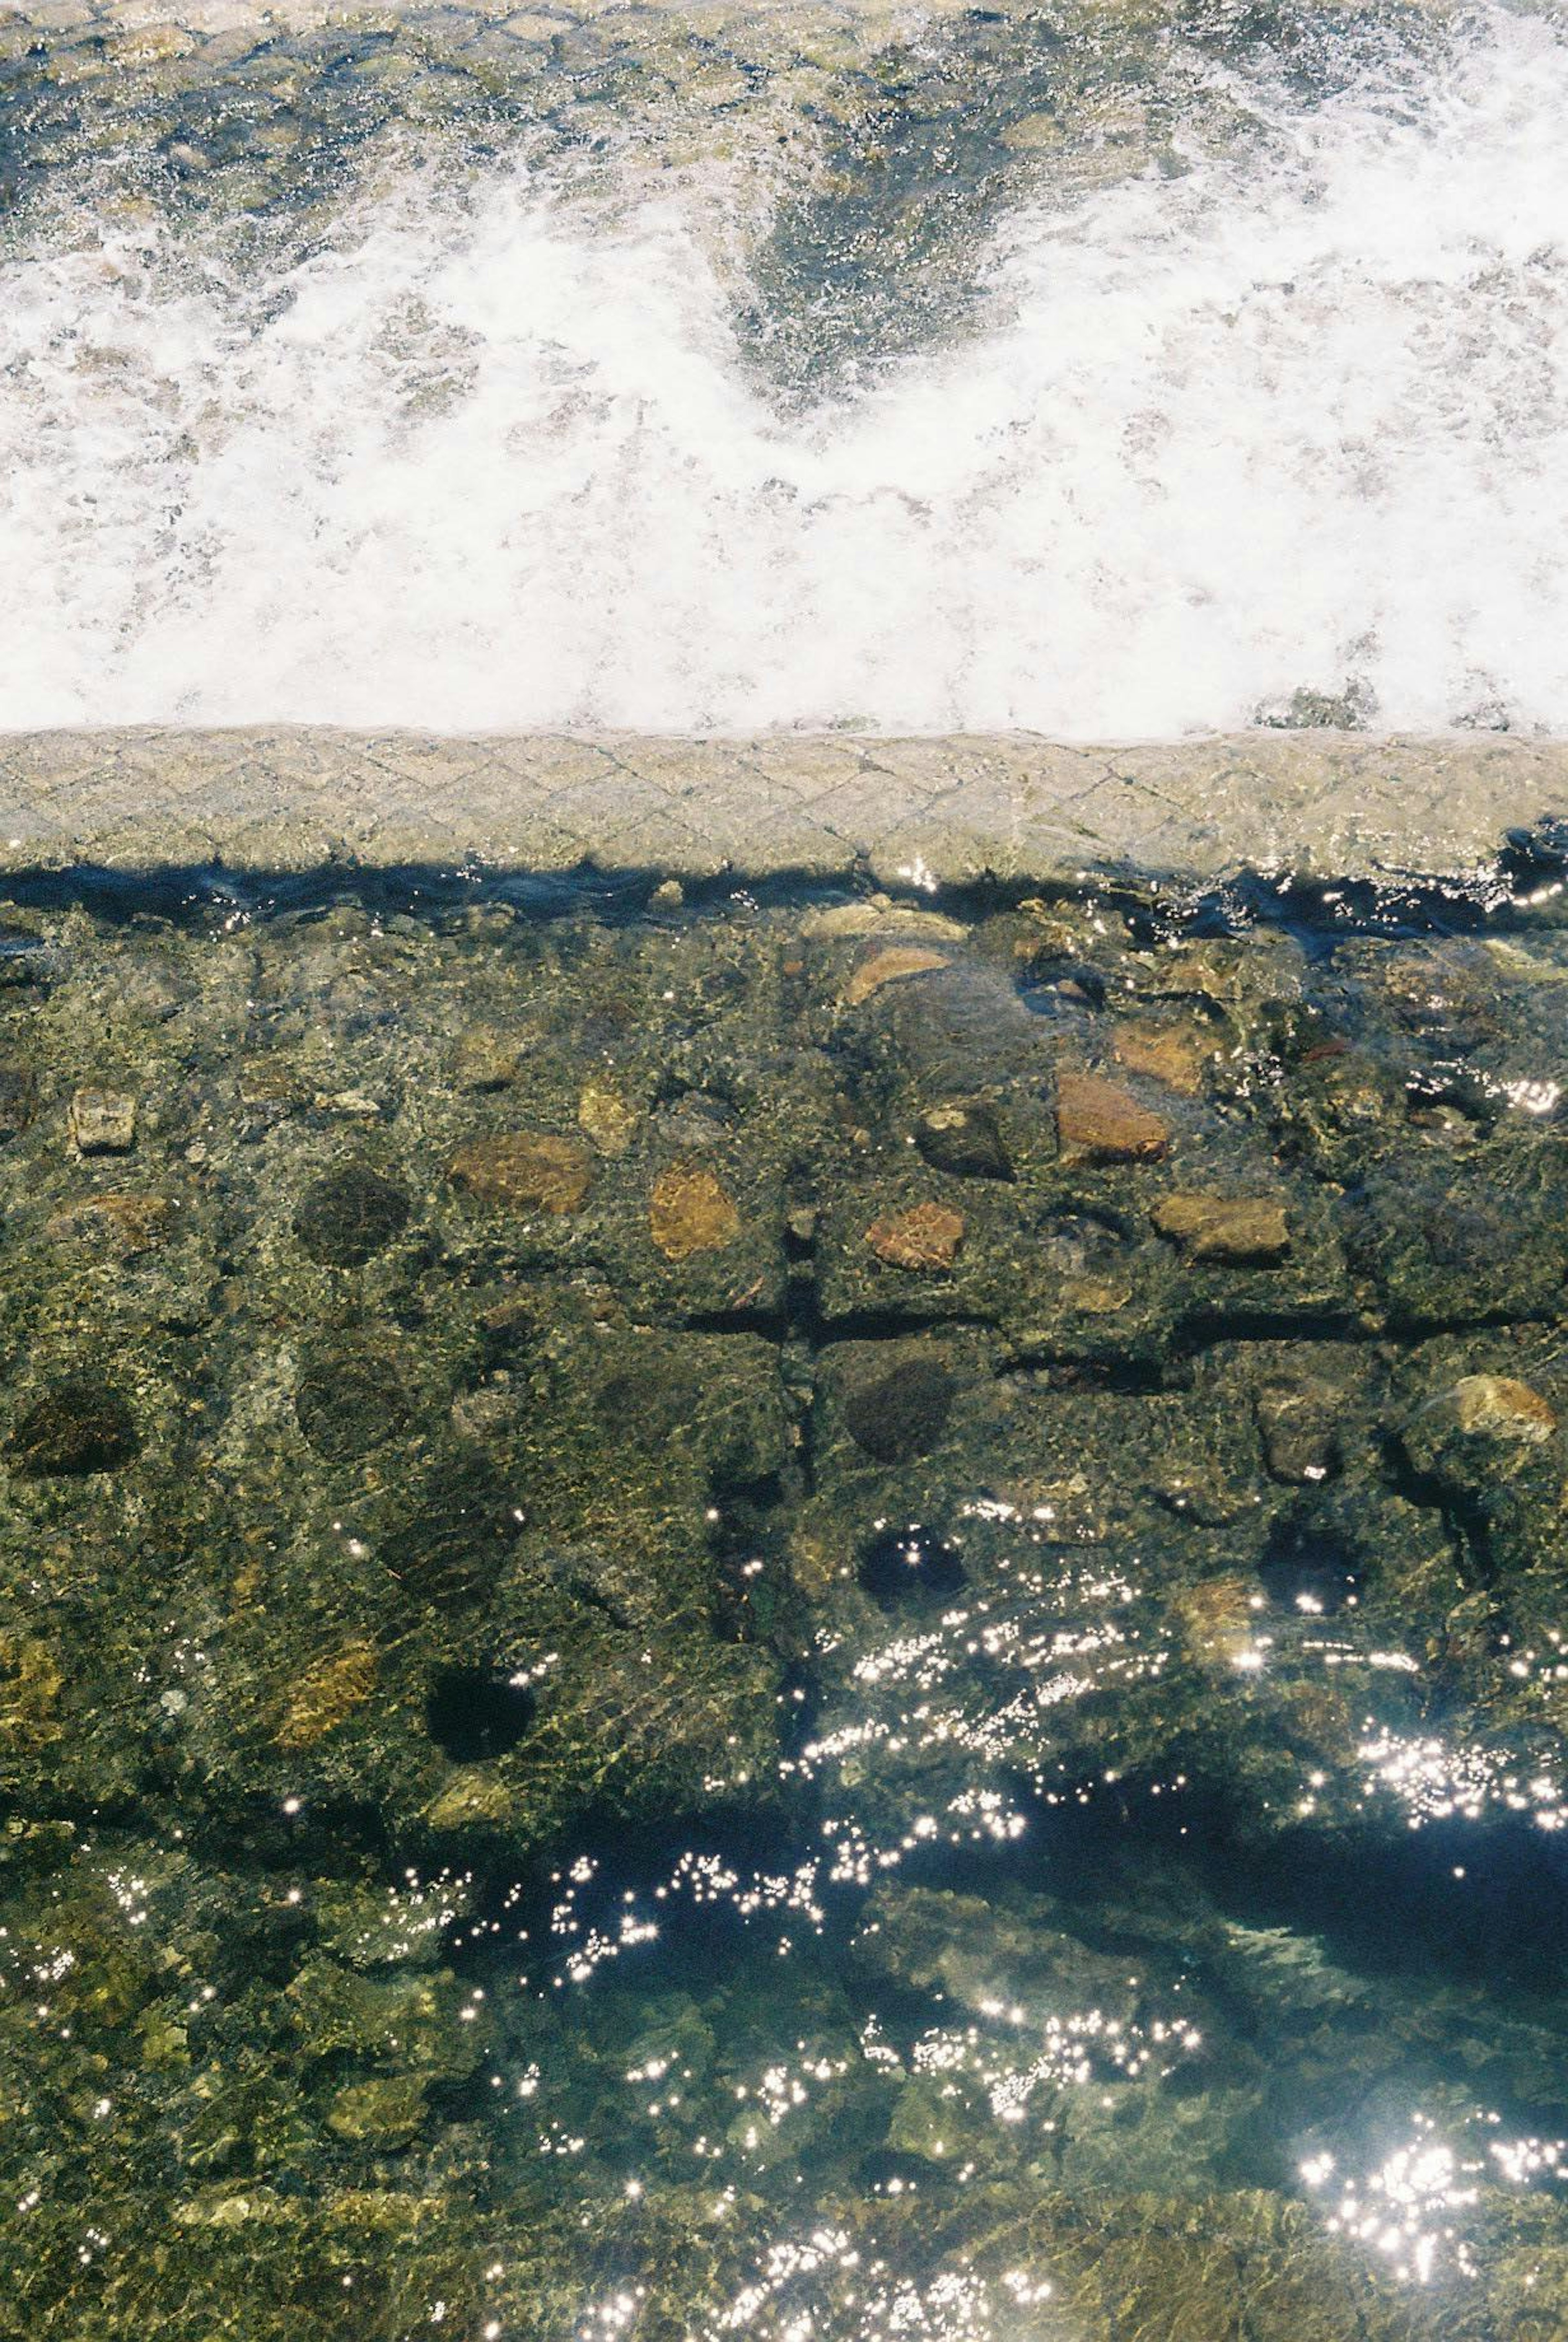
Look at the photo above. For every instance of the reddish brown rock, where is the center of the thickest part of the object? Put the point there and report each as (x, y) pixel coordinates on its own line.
(1240, 1232)
(1175, 1055)
(523, 1171)
(1097, 1121)
(928, 1237)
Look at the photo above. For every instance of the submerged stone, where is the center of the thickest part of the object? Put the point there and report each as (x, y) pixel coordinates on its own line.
(900, 1410)
(927, 1236)
(350, 1215)
(1097, 1121)
(964, 1140)
(79, 1425)
(690, 1211)
(895, 965)
(104, 1121)
(523, 1171)
(350, 1401)
(1240, 1232)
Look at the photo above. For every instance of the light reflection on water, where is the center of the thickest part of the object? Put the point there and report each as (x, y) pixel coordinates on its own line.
(745, 2070)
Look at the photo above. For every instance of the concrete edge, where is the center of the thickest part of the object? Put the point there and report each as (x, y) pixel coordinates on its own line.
(918, 811)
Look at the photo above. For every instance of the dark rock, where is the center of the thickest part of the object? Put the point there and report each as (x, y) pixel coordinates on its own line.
(901, 1410)
(350, 1401)
(350, 1215)
(1299, 1425)
(964, 1140)
(78, 1426)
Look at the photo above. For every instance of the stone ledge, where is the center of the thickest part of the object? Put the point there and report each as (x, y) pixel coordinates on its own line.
(941, 811)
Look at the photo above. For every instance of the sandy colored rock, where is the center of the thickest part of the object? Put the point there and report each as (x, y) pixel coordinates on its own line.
(894, 966)
(880, 918)
(523, 1171)
(927, 1236)
(486, 1059)
(104, 1121)
(327, 1694)
(606, 1117)
(1242, 1231)
(1500, 1408)
(690, 1211)
(1097, 1121)
(475, 1794)
(30, 1687)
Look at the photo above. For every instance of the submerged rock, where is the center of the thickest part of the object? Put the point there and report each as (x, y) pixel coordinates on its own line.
(1242, 1231)
(900, 1410)
(895, 965)
(927, 1236)
(523, 1171)
(350, 1401)
(78, 1426)
(350, 1214)
(104, 1121)
(1097, 1121)
(690, 1211)
(964, 1140)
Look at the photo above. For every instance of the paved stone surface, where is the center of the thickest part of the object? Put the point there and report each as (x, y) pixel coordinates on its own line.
(945, 810)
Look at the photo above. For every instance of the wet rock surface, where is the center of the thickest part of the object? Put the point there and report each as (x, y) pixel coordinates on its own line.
(1061, 1539)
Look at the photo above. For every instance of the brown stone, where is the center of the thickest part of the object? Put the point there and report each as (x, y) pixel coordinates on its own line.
(1097, 1121)
(893, 965)
(927, 1236)
(1175, 1055)
(523, 1171)
(1240, 1232)
(689, 1212)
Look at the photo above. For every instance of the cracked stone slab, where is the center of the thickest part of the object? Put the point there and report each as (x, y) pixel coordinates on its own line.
(923, 811)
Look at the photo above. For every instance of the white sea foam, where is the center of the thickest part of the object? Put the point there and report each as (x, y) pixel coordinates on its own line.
(497, 459)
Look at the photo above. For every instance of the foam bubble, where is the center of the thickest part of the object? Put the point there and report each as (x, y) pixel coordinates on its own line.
(496, 459)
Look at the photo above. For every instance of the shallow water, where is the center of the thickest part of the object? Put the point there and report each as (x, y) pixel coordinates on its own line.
(1107, 377)
(793, 1615)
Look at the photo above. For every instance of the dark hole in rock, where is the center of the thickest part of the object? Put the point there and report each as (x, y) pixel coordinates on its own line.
(1308, 1566)
(901, 1412)
(349, 1214)
(79, 1425)
(349, 1402)
(473, 1715)
(910, 1559)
